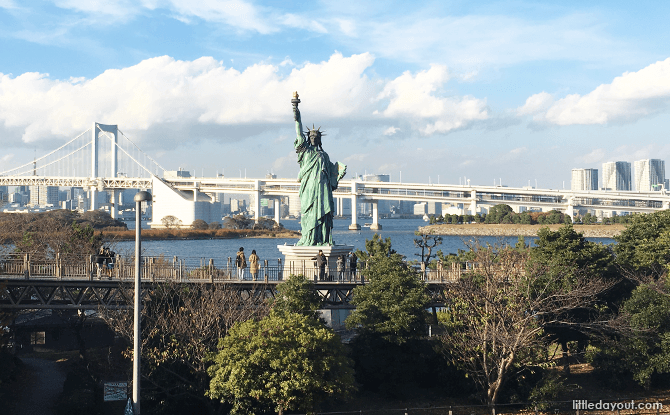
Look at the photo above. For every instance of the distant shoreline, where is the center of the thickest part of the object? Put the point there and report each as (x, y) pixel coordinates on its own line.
(176, 234)
(481, 229)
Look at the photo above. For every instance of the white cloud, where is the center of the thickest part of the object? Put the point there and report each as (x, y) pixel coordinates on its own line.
(628, 98)
(7, 4)
(428, 34)
(536, 103)
(414, 97)
(6, 158)
(355, 157)
(594, 156)
(164, 94)
(391, 131)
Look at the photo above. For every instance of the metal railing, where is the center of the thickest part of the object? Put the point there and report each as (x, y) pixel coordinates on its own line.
(199, 270)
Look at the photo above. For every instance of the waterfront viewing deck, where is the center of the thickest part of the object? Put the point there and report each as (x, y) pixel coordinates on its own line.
(77, 282)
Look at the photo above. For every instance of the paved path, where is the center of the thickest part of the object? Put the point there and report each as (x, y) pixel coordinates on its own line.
(43, 383)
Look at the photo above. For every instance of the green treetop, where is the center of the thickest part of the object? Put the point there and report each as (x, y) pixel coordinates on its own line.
(284, 362)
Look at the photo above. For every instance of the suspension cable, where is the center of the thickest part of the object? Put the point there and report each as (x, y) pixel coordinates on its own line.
(46, 155)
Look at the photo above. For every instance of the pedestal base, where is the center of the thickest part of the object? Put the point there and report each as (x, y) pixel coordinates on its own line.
(298, 260)
(375, 227)
(354, 227)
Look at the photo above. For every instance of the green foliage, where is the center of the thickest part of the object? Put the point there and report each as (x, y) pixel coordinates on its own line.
(297, 295)
(393, 302)
(199, 224)
(567, 248)
(498, 213)
(645, 243)
(644, 353)
(548, 389)
(284, 362)
(504, 214)
(237, 222)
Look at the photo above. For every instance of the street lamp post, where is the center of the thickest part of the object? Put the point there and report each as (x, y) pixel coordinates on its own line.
(140, 197)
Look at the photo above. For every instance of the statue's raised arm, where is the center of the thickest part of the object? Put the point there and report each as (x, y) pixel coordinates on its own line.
(300, 139)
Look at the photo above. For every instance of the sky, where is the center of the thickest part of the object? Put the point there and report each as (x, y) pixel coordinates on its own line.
(446, 91)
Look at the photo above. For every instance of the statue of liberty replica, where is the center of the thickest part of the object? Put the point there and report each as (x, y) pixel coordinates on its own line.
(318, 178)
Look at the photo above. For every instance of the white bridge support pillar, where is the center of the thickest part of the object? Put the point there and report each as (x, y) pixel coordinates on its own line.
(570, 209)
(257, 200)
(354, 208)
(112, 133)
(473, 202)
(375, 217)
(277, 209)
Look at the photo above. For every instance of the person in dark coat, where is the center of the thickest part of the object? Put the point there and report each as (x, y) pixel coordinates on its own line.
(321, 262)
(353, 263)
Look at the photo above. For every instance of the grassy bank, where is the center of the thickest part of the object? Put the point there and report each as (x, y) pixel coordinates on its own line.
(161, 234)
(481, 229)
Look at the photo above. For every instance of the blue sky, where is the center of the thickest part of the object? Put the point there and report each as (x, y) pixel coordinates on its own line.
(513, 90)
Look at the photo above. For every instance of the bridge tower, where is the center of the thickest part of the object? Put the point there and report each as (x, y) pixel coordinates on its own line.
(112, 132)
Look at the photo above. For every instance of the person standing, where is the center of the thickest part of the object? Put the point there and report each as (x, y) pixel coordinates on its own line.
(254, 265)
(340, 267)
(353, 263)
(321, 262)
(241, 263)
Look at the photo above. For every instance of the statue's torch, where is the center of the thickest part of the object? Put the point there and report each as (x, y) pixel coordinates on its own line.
(295, 101)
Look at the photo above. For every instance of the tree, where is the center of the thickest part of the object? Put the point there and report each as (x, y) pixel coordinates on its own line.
(171, 222)
(496, 315)
(426, 242)
(644, 246)
(497, 213)
(393, 302)
(181, 326)
(237, 222)
(284, 362)
(214, 225)
(641, 349)
(199, 224)
(390, 319)
(297, 295)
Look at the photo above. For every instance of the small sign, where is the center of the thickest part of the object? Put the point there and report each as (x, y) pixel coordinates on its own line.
(115, 391)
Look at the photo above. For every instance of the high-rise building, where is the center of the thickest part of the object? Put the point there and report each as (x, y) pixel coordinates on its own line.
(44, 195)
(584, 179)
(649, 174)
(616, 176)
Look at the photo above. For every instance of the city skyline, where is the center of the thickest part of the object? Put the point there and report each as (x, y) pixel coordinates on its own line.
(433, 91)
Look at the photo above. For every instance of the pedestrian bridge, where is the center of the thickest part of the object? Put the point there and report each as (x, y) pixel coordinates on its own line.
(76, 282)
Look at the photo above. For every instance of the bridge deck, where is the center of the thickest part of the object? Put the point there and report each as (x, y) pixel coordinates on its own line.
(79, 283)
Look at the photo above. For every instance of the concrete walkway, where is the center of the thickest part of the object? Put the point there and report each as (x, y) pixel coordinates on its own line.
(43, 383)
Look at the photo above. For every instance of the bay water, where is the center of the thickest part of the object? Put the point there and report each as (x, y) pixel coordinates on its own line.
(401, 232)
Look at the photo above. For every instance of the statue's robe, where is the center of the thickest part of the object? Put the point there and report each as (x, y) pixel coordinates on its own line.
(318, 178)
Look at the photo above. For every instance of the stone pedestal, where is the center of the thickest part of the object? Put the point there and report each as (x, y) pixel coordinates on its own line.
(375, 227)
(298, 260)
(354, 227)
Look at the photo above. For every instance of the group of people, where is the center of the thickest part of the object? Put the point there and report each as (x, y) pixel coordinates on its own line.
(241, 264)
(104, 261)
(320, 260)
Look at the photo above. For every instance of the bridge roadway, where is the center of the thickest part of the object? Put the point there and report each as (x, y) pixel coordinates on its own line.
(472, 198)
(75, 283)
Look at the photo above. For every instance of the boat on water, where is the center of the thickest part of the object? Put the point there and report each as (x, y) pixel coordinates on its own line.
(367, 225)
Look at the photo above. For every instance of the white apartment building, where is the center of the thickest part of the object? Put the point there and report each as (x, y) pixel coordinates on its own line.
(584, 179)
(616, 176)
(649, 173)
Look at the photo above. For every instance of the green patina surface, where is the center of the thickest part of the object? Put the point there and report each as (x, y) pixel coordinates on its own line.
(318, 178)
